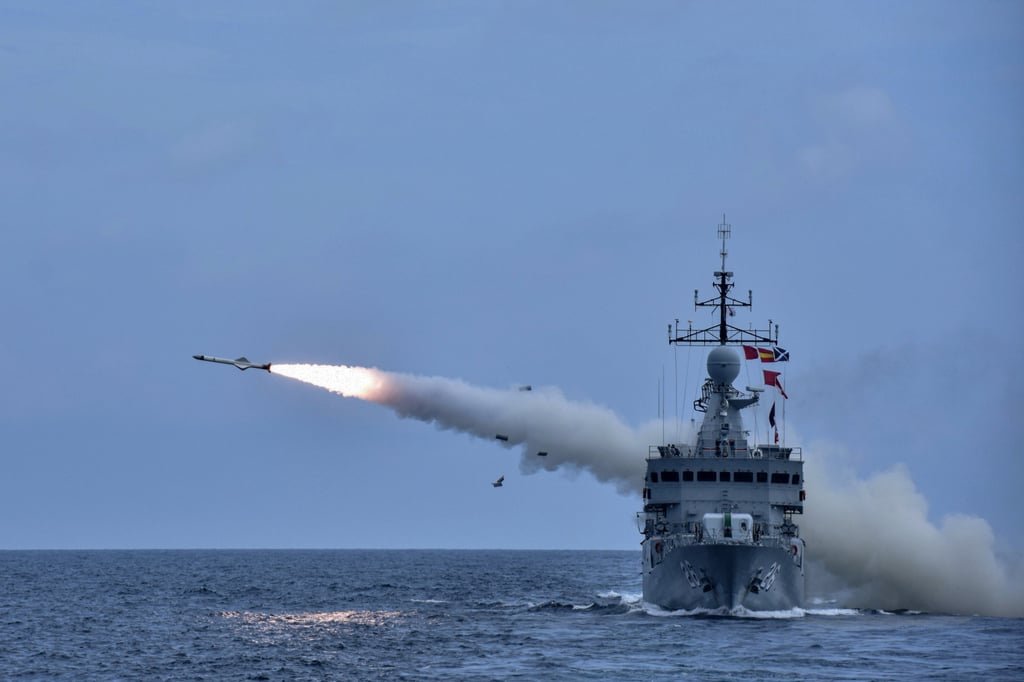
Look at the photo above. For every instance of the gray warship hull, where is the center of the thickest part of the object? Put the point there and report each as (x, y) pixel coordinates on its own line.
(719, 520)
(716, 576)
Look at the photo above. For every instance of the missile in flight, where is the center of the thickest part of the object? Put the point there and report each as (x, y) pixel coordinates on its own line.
(241, 363)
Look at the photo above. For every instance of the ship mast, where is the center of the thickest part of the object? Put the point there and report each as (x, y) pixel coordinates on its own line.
(723, 333)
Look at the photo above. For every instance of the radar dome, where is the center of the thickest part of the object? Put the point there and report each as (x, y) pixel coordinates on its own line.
(723, 365)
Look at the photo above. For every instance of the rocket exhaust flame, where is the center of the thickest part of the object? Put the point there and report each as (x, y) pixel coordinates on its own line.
(351, 382)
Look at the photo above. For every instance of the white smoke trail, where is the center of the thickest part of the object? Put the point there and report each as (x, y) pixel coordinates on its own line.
(872, 534)
(574, 435)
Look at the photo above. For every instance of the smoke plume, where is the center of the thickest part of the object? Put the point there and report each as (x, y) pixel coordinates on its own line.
(575, 436)
(874, 534)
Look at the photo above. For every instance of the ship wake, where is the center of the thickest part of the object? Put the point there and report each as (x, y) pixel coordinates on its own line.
(743, 612)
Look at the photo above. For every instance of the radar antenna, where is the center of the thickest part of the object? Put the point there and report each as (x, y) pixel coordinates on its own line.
(723, 333)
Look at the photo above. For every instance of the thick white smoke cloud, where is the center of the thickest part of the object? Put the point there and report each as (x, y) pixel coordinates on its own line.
(874, 534)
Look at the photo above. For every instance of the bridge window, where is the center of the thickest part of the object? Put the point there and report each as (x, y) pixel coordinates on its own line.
(687, 475)
(780, 478)
(707, 476)
(654, 477)
(724, 476)
(762, 476)
(743, 477)
(796, 479)
(669, 476)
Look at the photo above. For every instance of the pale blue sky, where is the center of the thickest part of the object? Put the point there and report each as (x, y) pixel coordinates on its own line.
(505, 193)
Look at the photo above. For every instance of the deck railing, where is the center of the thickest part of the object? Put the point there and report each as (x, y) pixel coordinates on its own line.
(762, 451)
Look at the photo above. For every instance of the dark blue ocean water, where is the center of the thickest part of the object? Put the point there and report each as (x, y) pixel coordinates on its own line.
(440, 615)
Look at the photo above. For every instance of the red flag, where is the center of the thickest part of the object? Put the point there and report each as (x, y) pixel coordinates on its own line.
(776, 435)
(771, 416)
(772, 379)
(750, 353)
(766, 354)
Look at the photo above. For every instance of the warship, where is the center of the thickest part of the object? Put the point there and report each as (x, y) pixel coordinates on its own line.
(718, 517)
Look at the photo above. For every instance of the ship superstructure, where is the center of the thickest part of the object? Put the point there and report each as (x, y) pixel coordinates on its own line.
(718, 519)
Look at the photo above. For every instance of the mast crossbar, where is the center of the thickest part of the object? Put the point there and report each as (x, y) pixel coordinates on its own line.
(722, 333)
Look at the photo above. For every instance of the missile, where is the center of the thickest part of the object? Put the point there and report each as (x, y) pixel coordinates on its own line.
(241, 363)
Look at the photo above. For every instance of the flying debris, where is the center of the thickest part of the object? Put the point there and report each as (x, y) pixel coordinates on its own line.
(500, 482)
(241, 363)
(542, 453)
(501, 436)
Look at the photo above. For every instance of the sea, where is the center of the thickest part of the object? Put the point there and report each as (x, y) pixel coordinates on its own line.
(442, 615)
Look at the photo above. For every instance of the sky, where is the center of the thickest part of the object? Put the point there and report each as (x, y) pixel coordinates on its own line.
(499, 194)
